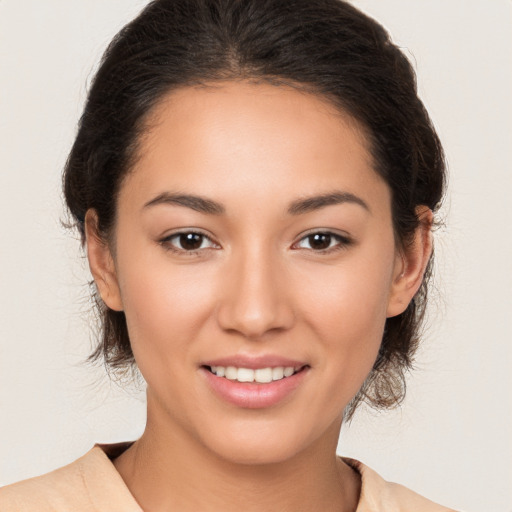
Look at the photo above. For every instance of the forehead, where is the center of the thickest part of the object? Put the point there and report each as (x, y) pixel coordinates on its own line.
(241, 137)
(257, 109)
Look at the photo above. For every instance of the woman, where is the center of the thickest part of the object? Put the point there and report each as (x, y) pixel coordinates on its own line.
(255, 183)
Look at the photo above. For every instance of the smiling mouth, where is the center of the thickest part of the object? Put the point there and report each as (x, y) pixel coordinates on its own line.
(259, 375)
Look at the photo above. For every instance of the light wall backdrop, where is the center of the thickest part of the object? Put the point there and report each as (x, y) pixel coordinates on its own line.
(452, 438)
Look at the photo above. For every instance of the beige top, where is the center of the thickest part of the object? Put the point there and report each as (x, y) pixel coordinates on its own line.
(92, 484)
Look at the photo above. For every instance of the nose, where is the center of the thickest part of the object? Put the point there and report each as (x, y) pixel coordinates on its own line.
(255, 298)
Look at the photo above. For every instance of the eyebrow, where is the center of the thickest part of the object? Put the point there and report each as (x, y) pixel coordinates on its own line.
(298, 207)
(197, 203)
(309, 204)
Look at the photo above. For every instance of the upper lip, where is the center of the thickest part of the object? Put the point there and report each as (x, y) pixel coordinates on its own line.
(254, 362)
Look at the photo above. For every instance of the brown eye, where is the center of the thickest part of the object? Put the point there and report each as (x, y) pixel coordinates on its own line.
(323, 241)
(319, 241)
(190, 241)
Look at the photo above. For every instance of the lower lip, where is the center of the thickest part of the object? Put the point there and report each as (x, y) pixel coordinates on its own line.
(253, 395)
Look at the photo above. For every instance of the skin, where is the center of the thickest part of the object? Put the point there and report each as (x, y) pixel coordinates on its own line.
(256, 286)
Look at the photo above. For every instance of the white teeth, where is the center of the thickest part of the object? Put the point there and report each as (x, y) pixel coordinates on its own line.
(245, 375)
(277, 373)
(231, 373)
(261, 375)
(288, 371)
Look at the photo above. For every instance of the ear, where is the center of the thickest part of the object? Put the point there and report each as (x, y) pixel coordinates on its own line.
(411, 264)
(101, 263)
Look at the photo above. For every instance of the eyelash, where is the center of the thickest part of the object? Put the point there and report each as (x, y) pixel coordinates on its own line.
(168, 245)
(342, 242)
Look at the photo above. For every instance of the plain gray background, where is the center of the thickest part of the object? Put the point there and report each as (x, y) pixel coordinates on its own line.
(451, 440)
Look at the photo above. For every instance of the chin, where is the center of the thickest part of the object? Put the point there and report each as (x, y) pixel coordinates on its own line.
(261, 452)
(266, 442)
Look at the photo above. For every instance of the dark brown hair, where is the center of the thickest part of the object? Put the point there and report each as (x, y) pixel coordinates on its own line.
(327, 47)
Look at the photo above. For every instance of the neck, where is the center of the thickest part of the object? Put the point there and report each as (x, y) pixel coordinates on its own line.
(166, 469)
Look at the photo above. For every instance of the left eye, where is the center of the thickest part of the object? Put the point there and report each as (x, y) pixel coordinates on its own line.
(321, 241)
(189, 241)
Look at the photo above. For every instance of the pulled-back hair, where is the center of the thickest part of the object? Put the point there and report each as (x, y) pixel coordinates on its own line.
(326, 47)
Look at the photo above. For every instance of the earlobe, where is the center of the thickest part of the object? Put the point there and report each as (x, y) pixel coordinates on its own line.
(411, 264)
(101, 263)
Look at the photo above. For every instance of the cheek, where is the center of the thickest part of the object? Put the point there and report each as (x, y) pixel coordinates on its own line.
(346, 308)
(165, 305)
(350, 298)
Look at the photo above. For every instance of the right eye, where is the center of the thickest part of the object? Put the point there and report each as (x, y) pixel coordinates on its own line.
(323, 242)
(188, 242)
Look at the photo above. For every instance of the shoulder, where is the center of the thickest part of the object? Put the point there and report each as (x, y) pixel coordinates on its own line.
(52, 491)
(379, 495)
(91, 483)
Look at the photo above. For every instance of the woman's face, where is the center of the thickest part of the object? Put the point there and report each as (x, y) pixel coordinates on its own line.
(253, 236)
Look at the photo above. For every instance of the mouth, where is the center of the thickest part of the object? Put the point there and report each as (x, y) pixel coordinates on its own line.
(255, 382)
(255, 375)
